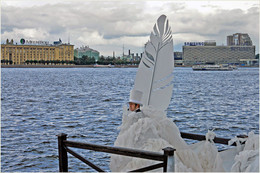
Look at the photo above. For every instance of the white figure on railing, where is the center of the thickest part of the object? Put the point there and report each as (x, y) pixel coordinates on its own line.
(148, 128)
(134, 113)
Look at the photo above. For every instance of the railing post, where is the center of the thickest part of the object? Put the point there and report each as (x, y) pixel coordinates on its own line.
(168, 159)
(63, 156)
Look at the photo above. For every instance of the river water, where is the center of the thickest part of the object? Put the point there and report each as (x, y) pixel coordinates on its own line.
(86, 103)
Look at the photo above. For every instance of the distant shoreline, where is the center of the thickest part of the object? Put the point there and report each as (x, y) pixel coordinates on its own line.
(82, 66)
(64, 66)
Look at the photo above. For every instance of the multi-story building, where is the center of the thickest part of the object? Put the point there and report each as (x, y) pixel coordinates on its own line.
(136, 57)
(131, 57)
(208, 52)
(239, 39)
(36, 52)
(178, 60)
(86, 51)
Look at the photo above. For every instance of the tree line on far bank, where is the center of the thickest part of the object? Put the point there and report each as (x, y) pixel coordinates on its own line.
(85, 60)
(39, 62)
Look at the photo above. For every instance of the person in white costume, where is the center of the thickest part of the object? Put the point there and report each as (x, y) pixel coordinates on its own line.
(134, 113)
(147, 129)
(135, 100)
(150, 129)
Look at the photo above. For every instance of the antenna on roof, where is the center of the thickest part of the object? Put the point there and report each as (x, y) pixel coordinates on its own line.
(69, 39)
(123, 50)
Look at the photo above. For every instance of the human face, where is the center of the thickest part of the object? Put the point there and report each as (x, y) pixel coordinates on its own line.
(133, 106)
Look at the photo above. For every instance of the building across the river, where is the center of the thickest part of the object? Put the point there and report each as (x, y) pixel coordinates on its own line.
(178, 59)
(239, 39)
(36, 52)
(209, 52)
(86, 51)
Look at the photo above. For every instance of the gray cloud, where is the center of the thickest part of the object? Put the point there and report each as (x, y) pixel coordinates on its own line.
(106, 26)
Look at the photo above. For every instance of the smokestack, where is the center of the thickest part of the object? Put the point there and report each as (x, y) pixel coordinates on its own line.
(129, 53)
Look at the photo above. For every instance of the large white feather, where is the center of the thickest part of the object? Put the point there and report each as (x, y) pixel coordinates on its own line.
(154, 75)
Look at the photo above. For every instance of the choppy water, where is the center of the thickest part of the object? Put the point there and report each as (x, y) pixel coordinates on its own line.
(38, 104)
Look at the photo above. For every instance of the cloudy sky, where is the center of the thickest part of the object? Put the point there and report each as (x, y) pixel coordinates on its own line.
(108, 25)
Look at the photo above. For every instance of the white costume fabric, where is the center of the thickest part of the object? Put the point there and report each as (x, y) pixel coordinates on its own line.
(248, 159)
(151, 130)
(147, 130)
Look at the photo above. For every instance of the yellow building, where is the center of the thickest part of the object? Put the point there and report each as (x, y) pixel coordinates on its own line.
(36, 52)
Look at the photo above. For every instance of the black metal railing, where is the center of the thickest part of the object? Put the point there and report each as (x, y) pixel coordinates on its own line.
(202, 137)
(64, 144)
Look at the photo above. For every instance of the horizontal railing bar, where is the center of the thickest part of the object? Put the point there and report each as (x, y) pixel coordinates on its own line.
(84, 160)
(202, 137)
(149, 168)
(193, 136)
(117, 150)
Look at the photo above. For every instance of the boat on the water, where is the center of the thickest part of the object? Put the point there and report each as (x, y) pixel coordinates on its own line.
(103, 66)
(220, 67)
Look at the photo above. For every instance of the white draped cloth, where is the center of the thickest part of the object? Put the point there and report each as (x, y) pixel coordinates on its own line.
(151, 130)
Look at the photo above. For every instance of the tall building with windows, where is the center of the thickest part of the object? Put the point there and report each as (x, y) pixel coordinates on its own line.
(239, 39)
(36, 52)
(86, 51)
(209, 52)
(178, 59)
